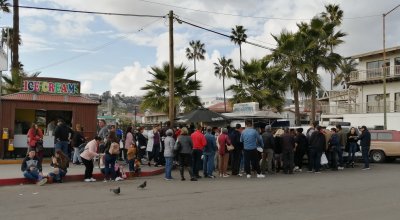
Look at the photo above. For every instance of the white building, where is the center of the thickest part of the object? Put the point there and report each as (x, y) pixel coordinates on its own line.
(363, 103)
(209, 101)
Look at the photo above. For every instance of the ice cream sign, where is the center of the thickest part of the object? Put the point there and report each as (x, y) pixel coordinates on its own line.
(43, 86)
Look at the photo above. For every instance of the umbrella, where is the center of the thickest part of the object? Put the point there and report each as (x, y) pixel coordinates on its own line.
(202, 115)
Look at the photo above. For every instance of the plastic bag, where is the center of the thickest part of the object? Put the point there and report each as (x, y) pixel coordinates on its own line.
(324, 159)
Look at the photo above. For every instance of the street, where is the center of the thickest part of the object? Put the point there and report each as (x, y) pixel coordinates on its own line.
(349, 194)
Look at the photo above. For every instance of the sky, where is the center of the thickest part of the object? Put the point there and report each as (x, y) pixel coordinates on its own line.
(116, 53)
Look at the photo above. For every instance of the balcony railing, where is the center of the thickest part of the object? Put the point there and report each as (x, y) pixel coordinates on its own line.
(360, 108)
(373, 74)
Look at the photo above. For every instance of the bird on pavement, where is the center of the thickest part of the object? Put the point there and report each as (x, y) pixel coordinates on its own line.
(143, 185)
(116, 191)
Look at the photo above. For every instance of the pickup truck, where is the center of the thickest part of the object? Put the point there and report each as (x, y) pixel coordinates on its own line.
(385, 144)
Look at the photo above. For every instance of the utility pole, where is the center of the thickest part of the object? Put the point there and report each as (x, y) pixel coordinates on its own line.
(171, 113)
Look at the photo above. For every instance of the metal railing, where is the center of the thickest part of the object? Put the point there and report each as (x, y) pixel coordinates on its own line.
(376, 73)
(359, 108)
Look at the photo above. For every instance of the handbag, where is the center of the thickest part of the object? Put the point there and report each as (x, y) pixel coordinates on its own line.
(39, 146)
(324, 159)
(230, 147)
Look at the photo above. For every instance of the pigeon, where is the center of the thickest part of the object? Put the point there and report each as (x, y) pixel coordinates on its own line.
(116, 191)
(143, 185)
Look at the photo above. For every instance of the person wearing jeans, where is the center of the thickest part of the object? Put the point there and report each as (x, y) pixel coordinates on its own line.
(209, 154)
(32, 168)
(169, 144)
(111, 155)
(62, 135)
(251, 140)
(352, 142)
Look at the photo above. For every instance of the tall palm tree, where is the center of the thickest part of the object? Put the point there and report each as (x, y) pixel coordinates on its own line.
(13, 83)
(238, 36)
(346, 66)
(5, 6)
(195, 52)
(261, 82)
(15, 37)
(223, 69)
(157, 95)
(333, 15)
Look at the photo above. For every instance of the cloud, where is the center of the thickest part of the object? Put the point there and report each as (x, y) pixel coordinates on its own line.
(37, 26)
(130, 80)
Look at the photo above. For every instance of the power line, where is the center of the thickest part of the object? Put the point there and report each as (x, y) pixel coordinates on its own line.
(90, 12)
(247, 16)
(222, 34)
(95, 49)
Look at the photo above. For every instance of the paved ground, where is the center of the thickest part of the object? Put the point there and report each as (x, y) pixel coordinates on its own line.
(349, 194)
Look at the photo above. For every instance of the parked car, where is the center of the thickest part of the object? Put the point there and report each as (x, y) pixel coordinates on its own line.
(385, 144)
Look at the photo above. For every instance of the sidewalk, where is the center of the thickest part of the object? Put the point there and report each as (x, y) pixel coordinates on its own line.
(10, 172)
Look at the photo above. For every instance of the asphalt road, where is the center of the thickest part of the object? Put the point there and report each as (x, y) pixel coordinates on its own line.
(349, 194)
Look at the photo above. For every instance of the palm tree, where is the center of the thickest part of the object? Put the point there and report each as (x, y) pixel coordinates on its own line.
(238, 37)
(13, 83)
(5, 6)
(346, 66)
(333, 15)
(195, 52)
(157, 95)
(261, 82)
(223, 69)
(15, 37)
(289, 54)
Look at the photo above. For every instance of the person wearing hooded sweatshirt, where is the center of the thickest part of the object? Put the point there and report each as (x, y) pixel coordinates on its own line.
(365, 143)
(32, 168)
(184, 148)
(317, 146)
(169, 144)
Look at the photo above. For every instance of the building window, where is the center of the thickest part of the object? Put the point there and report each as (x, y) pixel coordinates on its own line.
(375, 103)
(397, 102)
(397, 66)
(374, 68)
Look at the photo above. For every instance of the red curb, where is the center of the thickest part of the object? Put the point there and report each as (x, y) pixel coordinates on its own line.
(78, 177)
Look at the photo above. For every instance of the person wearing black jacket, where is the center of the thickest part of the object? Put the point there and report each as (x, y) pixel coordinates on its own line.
(236, 154)
(62, 135)
(268, 151)
(77, 140)
(287, 142)
(365, 143)
(32, 168)
(301, 148)
(142, 143)
(317, 146)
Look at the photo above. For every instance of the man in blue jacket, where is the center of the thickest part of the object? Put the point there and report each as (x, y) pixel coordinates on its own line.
(209, 154)
(365, 143)
(251, 140)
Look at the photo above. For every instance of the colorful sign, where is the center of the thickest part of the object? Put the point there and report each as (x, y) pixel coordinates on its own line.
(66, 88)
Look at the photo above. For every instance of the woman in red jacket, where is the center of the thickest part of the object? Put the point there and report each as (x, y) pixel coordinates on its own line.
(35, 138)
(223, 153)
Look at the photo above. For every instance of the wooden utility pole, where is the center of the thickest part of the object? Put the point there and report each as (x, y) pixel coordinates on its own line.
(171, 113)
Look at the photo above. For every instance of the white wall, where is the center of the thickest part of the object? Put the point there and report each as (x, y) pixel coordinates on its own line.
(374, 119)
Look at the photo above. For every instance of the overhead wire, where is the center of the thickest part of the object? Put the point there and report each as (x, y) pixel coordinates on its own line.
(95, 49)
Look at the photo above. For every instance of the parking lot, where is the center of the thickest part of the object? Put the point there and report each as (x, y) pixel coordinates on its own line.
(348, 194)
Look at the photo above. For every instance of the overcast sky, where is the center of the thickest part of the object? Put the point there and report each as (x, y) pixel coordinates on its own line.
(115, 53)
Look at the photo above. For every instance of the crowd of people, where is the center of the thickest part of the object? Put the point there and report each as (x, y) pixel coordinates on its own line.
(244, 151)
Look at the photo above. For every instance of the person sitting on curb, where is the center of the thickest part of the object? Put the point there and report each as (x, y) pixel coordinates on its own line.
(32, 168)
(60, 162)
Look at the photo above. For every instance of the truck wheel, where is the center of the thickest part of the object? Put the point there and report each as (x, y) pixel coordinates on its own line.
(377, 156)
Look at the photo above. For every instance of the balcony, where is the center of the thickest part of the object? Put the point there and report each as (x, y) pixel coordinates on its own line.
(360, 108)
(372, 76)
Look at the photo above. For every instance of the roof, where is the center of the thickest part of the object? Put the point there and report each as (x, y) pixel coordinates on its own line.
(220, 108)
(32, 97)
(391, 49)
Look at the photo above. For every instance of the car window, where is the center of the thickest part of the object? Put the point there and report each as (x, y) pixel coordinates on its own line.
(374, 136)
(385, 136)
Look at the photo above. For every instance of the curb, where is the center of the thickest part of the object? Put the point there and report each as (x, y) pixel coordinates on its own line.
(19, 161)
(78, 177)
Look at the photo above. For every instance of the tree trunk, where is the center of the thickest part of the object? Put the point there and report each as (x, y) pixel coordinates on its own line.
(313, 99)
(296, 100)
(194, 64)
(15, 38)
(223, 86)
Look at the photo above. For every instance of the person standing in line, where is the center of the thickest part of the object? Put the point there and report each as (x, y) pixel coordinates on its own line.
(236, 154)
(35, 138)
(87, 156)
(169, 144)
(156, 146)
(184, 149)
(288, 145)
(251, 140)
(62, 134)
(223, 153)
(301, 148)
(352, 142)
(209, 154)
(77, 140)
(268, 151)
(317, 146)
(142, 144)
(199, 141)
(51, 127)
(365, 143)
(32, 168)
(342, 144)
(129, 140)
(103, 134)
(334, 148)
(278, 150)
